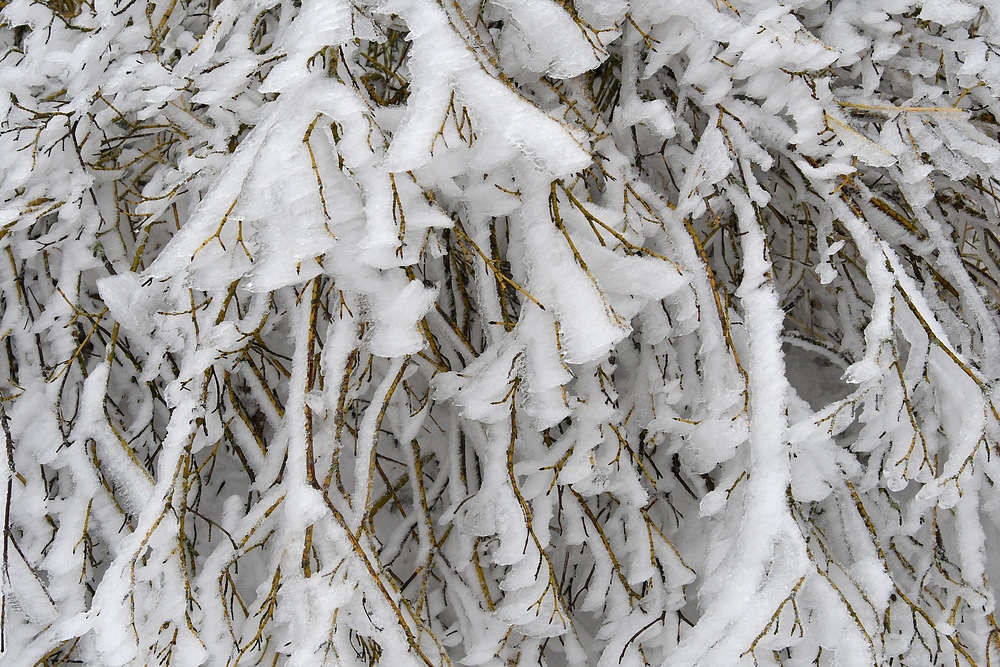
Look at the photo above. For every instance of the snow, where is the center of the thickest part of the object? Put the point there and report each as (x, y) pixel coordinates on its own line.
(518, 331)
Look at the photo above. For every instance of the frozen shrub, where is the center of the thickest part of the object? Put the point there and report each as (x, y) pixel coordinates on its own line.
(499, 332)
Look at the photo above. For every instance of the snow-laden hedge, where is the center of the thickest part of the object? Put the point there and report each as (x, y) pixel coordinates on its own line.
(499, 332)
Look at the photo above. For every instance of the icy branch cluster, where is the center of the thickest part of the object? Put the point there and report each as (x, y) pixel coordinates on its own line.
(496, 332)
